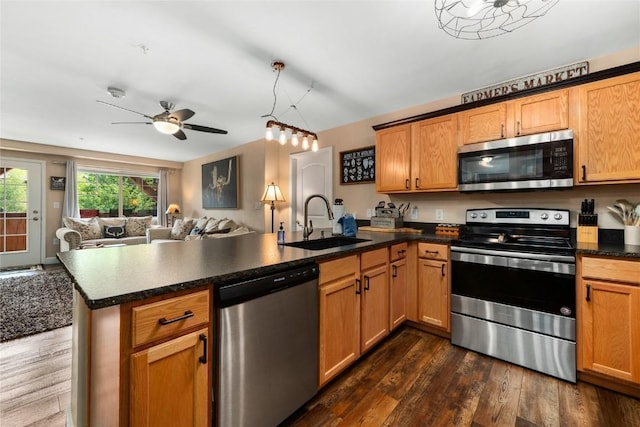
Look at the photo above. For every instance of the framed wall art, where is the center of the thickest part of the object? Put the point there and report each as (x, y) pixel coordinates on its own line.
(358, 166)
(220, 184)
(57, 182)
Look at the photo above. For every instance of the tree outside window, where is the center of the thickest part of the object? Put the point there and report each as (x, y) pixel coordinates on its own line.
(101, 194)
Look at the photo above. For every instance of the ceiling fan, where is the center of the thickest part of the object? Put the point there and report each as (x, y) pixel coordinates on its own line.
(169, 122)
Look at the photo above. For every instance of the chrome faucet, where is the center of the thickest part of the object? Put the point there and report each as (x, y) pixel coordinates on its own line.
(307, 230)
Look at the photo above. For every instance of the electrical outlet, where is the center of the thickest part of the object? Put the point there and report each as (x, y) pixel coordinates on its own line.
(257, 206)
(414, 212)
(369, 213)
(56, 241)
(439, 214)
(56, 205)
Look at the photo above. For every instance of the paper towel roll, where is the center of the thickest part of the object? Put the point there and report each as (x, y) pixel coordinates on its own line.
(338, 212)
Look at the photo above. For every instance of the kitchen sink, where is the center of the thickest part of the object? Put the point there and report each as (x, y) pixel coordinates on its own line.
(326, 243)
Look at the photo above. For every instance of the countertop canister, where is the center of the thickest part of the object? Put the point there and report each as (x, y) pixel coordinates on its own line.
(631, 235)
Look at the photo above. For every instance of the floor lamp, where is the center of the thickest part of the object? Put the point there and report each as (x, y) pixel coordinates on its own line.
(272, 195)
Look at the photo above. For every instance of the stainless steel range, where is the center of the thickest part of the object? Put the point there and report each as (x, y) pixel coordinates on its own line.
(513, 288)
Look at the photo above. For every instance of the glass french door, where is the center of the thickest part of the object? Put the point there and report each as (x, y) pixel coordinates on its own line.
(20, 213)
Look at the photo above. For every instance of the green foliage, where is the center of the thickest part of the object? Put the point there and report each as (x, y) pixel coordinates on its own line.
(102, 192)
(13, 188)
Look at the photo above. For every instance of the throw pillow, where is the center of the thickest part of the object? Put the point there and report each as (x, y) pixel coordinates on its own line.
(201, 223)
(137, 226)
(212, 224)
(227, 223)
(114, 231)
(181, 228)
(111, 222)
(89, 228)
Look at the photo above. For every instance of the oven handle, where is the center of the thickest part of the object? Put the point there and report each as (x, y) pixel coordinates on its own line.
(517, 263)
(508, 254)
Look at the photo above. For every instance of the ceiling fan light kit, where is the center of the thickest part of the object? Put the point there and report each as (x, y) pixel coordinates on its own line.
(166, 126)
(294, 131)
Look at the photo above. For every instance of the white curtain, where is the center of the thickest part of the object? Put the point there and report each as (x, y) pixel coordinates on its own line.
(70, 200)
(163, 197)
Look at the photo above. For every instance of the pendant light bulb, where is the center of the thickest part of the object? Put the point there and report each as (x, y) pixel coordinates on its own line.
(269, 134)
(305, 143)
(314, 145)
(294, 139)
(283, 137)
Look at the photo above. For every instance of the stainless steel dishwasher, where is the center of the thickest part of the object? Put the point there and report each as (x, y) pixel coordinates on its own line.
(268, 347)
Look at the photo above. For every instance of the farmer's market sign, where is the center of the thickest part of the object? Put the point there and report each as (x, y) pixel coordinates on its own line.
(536, 80)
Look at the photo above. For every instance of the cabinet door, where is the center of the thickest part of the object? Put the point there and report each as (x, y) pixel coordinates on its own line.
(540, 113)
(609, 130)
(433, 293)
(434, 153)
(169, 383)
(484, 123)
(375, 307)
(610, 329)
(393, 159)
(398, 294)
(339, 326)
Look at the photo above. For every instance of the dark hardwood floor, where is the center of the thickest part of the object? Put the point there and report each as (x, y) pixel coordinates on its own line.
(411, 379)
(417, 379)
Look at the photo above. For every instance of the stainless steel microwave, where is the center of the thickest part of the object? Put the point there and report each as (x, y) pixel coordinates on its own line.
(527, 162)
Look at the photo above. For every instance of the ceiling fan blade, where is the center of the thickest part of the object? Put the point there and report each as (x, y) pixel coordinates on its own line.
(203, 128)
(180, 135)
(122, 108)
(131, 123)
(182, 115)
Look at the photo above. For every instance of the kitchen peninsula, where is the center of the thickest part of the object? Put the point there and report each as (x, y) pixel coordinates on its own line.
(121, 293)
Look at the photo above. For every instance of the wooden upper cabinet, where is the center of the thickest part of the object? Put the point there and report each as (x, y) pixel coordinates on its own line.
(434, 148)
(393, 156)
(609, 130)
(483, 124)
(539, 113)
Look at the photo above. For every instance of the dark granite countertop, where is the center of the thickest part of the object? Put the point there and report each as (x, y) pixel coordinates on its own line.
(112, 276)
(608, 249)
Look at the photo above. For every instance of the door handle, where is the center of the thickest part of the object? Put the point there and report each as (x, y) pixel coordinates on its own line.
(358, 287)
(35, 218)
(584, 172)
(518, 127)
(502, 130)
(203, 358)
(366, 283)
(417, 182)
(442, 270)
(588, 292)
(394, 269)
(406, 183)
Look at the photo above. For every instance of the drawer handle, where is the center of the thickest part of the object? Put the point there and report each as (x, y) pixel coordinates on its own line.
(394, 273)
(203, 358)
(187, 314)
(401, 252)
(588, 292)
(427, 251)
(366, 283)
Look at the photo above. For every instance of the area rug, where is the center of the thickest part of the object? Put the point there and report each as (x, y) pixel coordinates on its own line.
(34, 302)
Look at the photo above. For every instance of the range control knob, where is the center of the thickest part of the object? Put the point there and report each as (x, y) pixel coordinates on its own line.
(557, 216)
(544, 216)
(483, 215)
(473, 215)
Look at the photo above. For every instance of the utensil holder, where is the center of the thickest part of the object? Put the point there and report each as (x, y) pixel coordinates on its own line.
(631, 235)
(587, 234)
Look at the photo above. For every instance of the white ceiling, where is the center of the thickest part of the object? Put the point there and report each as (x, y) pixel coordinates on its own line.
(363, 59)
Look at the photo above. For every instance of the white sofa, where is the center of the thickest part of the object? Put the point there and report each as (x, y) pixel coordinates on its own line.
(195, 229)
(80, 233)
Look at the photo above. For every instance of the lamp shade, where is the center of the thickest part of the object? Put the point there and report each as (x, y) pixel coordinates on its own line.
(173, 208)
(272, 194)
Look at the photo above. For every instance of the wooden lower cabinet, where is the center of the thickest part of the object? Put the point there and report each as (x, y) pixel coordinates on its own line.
(608, 296)
(339, 298)
(168, 383)
(433, 286)
(398, 286)
(374, 303)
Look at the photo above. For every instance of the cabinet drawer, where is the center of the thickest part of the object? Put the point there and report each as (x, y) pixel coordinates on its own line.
(398, 251)
(338, 268)
(373, 258)
(612, 270)
(433, 251)
(160, 319)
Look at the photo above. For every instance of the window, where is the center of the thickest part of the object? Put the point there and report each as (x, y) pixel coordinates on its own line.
(111, 195)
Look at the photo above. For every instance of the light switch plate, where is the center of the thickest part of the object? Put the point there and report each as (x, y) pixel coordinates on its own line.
(439, 214)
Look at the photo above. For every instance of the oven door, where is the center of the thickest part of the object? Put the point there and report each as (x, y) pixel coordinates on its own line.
(516, 307)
